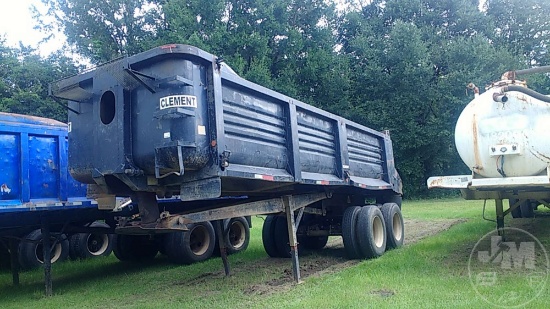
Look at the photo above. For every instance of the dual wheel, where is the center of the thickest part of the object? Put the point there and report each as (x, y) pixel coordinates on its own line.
(195, 245)
(31, 254)
(86, 245)
(368, 231)
(275, 237)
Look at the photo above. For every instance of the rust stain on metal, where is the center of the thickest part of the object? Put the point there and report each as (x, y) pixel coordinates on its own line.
(477, 157)
(541, 156)
(436, 182)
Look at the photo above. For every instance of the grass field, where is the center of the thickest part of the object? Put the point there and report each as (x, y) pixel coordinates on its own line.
(430, 271)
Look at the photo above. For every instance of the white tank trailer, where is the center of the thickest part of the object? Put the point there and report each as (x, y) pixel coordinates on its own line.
(501, 136)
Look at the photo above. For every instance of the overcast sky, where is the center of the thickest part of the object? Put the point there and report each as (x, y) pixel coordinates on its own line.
(16, 24)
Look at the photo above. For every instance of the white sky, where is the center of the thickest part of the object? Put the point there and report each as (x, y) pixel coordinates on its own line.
(16, 24)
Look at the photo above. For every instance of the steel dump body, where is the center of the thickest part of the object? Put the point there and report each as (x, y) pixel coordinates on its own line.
(34, 178)
(175, 120)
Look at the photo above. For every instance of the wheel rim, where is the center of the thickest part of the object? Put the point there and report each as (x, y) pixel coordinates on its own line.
(397, 227)
(97, 244)
(55, 254)
(378, 231)
(237, 235)
(199, 240)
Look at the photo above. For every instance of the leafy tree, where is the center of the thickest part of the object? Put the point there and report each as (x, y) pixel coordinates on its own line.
(413, 60)
(24, 80)
(102, 30)
(522, 26)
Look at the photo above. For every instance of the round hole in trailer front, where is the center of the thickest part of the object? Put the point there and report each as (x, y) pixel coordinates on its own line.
(107, 107)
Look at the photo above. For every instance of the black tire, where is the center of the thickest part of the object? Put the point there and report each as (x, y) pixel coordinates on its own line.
(527, 209)
(86, 245)
(236, 234)
(268, 235)
(516, 213)
(313, 242)
(5, 258)
(395, 228)
(397, 199)
(349, 236)
(281, 238)
(195, 245)
(31, 254)
(371, 232)
(134, 248)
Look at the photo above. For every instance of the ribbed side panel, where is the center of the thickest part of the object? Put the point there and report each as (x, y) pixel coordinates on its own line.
(254, 130)
(365, 154)
(317, 143)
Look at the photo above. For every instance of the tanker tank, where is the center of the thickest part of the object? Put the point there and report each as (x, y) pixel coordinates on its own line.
(502, 132)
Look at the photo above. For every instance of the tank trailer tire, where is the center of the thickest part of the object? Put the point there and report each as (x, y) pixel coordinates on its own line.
(135, 248)
(527, 209)
(236, 234)
(86, 245)
(349, 236)
(195, 245)
(516, 213)
(268, 235)
(395, 228)
(31, 254)
(371, 232)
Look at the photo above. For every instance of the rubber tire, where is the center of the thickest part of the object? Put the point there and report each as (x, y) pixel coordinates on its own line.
(79, 244)
(181, 246)
(5, 258)
(268, 235)
(134, 248)
(516, 213)
(30, 253)
(527, 209)
(281, 238)
(395, 228)
(397, 199)
(349, 236)
(371, 232)
(236, 235)
(313, 242)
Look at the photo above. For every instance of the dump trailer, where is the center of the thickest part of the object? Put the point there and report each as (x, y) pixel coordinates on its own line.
(177, 121)
(37, 194)
(501, 137)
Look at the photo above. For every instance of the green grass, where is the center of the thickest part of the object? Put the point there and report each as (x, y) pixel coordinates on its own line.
(431, 273)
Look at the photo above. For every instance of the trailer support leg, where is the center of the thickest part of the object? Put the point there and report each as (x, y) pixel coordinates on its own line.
(46, 250)
(500, 217)
(14, 255)
(288, 203)
(223, 249)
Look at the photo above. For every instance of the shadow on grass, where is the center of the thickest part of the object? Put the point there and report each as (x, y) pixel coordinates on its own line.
(71, 274)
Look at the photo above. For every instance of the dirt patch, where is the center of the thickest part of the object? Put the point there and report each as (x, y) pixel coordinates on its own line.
(332, 258)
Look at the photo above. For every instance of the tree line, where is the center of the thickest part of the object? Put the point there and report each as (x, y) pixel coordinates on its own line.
(397, 65)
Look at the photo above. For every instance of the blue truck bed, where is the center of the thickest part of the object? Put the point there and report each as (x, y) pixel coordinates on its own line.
(34, 176)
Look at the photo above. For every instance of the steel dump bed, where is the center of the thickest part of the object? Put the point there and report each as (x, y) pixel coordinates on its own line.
(175, 120)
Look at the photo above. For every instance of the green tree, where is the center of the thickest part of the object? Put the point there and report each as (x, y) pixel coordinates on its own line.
(24, 80)
(102, 30)
(523, 27)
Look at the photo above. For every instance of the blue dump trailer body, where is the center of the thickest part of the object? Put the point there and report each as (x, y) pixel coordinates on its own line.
(34, 176)
(175, 120)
